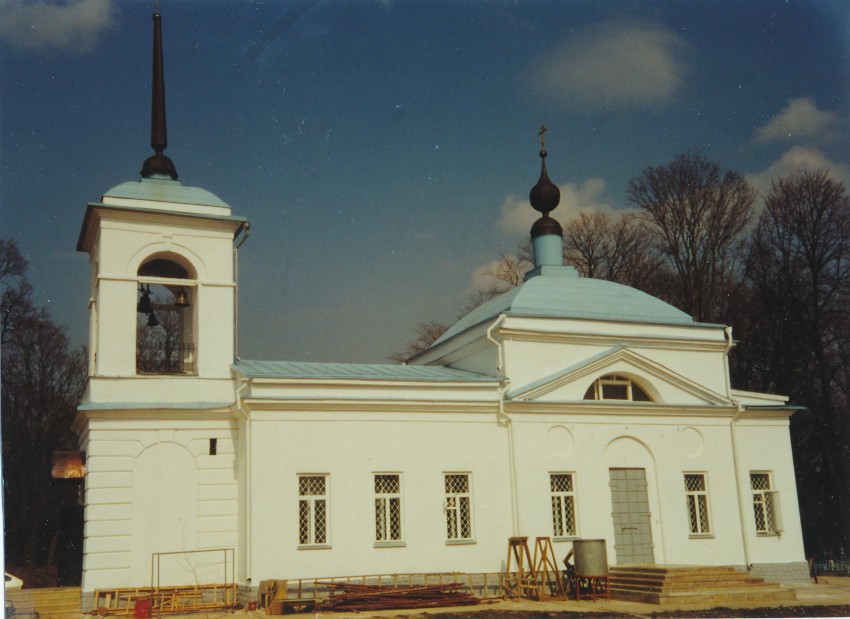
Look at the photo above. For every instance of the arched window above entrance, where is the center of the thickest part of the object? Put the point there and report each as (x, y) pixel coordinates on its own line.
(616, 387)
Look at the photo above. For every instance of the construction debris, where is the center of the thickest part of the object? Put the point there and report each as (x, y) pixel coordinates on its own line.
(532, 579)
(165, 600)
(352, 597)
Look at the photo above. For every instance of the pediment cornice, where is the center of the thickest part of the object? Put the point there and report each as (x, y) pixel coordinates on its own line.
(600, 364)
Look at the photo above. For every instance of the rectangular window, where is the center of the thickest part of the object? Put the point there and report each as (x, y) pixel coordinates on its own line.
(312, 510)
(696, 493)
(765, 504)
(458, 507)
(388, 508)
(563, 504)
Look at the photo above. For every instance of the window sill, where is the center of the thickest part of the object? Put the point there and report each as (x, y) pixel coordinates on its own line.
(459, 542)
(565, 538)
(167, 374)
(313, 546)
(701, 536)
(768, 534)
(392, 544)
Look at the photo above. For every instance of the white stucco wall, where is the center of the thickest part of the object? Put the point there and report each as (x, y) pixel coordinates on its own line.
(151, 486)
(350, 449)
(765, 447)
(124, 241)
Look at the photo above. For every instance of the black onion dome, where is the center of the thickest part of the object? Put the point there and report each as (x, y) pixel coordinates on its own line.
(545, 195)
(158, 165)
(546, 225)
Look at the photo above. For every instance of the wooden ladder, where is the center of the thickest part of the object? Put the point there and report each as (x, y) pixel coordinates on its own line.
(546, 571)
(524, 584)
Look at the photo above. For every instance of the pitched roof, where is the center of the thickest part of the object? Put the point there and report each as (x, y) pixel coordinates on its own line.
(359, 371)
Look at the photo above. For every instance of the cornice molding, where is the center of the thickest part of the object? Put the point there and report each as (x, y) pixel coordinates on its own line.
(344, 405)
(630, 409)
(392, 384)
(672, 342)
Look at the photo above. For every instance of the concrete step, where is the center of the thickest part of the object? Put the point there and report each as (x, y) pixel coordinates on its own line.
(687, 585)
(692, 585)
(717, 597)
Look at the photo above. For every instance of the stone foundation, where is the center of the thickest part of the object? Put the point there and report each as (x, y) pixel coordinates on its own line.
(87, 601)
(785, 573)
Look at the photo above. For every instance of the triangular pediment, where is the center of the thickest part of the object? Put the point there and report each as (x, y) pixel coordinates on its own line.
(659, 381)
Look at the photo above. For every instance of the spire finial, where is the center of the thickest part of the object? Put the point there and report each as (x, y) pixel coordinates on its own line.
(545, 195)
(159, 165)
(546, 233)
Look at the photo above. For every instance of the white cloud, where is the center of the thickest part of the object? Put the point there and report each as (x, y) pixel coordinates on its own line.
(800, 119)
(481, 279)
(616, 64)
(517, 216)
(799, 158)
(42, 25)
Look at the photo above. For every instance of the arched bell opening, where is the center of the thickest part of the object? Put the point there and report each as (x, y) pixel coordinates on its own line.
(165, 318)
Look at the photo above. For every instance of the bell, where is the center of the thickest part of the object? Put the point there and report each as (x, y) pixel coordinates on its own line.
(144, 305)
(152, 321)
(182, 299)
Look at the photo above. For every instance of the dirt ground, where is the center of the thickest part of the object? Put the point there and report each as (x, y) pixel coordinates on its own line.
(829, 598)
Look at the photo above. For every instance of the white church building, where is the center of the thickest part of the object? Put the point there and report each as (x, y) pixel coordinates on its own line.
(568, 407)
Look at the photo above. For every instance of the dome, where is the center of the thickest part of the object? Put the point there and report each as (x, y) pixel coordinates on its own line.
(558, 292)
(170, 191)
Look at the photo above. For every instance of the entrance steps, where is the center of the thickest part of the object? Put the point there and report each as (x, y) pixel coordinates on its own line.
(55, 603)
(693, 585)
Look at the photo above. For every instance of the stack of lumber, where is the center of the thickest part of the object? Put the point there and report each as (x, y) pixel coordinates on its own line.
(350, 597)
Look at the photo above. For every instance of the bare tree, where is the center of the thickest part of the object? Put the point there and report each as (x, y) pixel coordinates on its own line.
(42, 382)
(799, 269)
(698, 215)
(509, 271)
(587, 242)
(426, 334)
(16, 309)
(613, 247)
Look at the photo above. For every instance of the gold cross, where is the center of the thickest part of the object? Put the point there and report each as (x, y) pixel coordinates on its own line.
(542, 134)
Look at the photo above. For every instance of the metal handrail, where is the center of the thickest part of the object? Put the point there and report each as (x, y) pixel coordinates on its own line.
(165, 358)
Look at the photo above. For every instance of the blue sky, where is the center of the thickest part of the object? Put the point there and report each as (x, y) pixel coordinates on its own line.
(383, 151)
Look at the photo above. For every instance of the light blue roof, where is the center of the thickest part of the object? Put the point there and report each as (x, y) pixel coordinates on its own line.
(165, 190)
(558, 292)
(362, 371)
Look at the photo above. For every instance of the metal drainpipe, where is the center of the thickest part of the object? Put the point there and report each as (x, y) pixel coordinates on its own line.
(503, 417)
(741, 501)
(727, 332)
(248, 485)
(246, 228)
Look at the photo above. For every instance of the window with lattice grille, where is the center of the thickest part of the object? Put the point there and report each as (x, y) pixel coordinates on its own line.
(312, 510)
(458, 506)
(563, 504)
(388, 508)
(696, 493)
(765, 504)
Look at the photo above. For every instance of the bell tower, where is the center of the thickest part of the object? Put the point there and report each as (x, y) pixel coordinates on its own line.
(163, 281)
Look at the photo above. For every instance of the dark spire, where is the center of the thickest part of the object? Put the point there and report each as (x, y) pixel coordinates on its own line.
(544, 196)
(159, 165)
